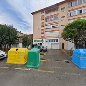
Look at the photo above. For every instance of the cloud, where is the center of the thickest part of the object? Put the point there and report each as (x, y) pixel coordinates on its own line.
(24, 12)
(11, 14)
(39, 4)
(18, 12)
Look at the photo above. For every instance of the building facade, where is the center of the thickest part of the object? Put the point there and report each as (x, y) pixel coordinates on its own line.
(18, 43)
(48, 23)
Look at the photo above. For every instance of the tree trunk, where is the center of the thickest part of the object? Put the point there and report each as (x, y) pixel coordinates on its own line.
(9, 46)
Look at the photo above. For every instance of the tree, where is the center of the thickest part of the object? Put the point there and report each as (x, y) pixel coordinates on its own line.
(12, 37)
(26, 41)
(8, 35)
(76, 32)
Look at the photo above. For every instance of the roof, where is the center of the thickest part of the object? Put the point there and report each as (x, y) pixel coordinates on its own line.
(57, 4)
(70, 0)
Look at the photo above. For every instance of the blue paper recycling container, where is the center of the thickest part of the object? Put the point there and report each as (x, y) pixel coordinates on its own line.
(79, 58)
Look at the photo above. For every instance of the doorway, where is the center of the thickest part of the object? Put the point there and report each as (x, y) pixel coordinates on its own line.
(62, 45)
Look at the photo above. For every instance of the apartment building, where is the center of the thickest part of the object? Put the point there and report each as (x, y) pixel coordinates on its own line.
(48, 23)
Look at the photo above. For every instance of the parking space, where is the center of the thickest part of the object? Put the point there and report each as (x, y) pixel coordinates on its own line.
(55, 70)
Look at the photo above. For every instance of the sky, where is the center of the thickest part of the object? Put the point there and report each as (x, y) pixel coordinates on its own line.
(18, 12)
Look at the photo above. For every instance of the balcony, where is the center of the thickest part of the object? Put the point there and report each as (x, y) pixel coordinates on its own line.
(52, 28)
(51, 34)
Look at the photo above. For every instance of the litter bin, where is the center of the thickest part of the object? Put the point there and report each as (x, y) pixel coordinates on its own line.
(33, 58)
(79, 58)
(17, 55)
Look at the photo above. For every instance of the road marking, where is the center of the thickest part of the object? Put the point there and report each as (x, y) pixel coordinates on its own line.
(33, 69)
(45, 71)
(18, 68)
(75, 74)
(4, 67)
(21, 69)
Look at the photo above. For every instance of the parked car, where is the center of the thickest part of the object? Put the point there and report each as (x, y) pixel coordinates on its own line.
(43, 49)
(2, 54)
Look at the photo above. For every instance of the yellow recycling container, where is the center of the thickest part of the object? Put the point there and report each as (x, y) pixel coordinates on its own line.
(17, 56)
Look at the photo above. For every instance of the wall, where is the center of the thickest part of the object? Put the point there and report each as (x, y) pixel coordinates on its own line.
(37, 25)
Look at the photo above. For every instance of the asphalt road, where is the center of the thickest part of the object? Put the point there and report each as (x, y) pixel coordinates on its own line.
(54, 71)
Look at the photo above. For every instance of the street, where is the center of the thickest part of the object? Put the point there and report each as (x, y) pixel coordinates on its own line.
(55, 70)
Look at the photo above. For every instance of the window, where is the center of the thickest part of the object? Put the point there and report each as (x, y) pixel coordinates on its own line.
(47, 19)
(73, 13)
(52, 40)
(55, 16)
(49, 41)
(84, 1)
(51, 17)
(71, 4)
(42, 31)
(42, 24)
(75, 3)
(42, 12)
(56, 40)
(37, 40)
(79, 12)
(47, 28)
(62, 9)
(84, 10)
(34, 40)
(62, 18)
(42, 17)
(79, 2)
(54, 26)
(68, 14)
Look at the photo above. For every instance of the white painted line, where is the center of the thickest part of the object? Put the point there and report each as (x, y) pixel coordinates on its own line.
(75, 74)
(18, 68)
(21, 69)
(4, 67)
(24, 69)
(45, 71)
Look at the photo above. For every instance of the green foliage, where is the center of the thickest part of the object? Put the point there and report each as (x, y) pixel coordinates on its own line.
(69, 33)
(12, 35)
(8, 35)
(26, 41)
(75, 32)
